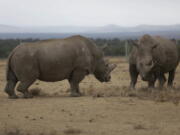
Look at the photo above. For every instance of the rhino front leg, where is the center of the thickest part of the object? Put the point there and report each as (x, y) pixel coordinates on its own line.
(23, 87)
(76, 77)
(171, 78)
(134, 75)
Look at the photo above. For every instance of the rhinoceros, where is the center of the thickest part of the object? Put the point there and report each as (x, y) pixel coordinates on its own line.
(53, 60)
(152, 57)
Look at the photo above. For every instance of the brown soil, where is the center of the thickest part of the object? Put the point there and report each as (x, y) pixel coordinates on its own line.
(105, 109)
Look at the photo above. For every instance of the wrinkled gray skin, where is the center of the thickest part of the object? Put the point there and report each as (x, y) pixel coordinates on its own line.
(152, 57)
(54, 60)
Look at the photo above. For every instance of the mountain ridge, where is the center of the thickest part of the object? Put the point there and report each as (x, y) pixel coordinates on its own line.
(108, 31)
(87, 29)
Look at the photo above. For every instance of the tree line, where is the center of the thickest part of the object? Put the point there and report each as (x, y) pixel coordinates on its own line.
(116, 47)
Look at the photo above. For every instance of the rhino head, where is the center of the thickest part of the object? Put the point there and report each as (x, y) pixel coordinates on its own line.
(103, 70)
(144, 60)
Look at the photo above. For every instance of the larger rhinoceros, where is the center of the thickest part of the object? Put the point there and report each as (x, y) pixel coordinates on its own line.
(54, 60)
(152, 57)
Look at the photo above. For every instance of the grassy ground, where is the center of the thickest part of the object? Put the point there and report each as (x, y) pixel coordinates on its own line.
(105, 109)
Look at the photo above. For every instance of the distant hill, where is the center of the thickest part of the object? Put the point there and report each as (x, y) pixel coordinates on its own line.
(108, 31)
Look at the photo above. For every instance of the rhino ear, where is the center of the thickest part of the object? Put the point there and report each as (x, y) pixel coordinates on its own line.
(112, 67)
(135, 43)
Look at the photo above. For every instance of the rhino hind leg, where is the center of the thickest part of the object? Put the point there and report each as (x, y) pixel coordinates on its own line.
(10, 85)
(134, 75)
(171, 78)
(76, 77)
(23, 88)
(151, 84)
(162, 80)
(9, 89)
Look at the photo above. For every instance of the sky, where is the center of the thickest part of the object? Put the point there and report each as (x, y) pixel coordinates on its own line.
(89, 12)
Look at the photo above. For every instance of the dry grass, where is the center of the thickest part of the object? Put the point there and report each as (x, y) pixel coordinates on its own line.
(105, 108)
(164, 95)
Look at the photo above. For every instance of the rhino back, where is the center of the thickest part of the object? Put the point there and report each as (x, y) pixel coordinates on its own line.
(165, 54)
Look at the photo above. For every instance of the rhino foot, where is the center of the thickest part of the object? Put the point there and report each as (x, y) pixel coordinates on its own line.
(13, 97)
(170, 87)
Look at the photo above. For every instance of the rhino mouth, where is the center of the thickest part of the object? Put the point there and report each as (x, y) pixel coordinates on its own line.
(105, 79)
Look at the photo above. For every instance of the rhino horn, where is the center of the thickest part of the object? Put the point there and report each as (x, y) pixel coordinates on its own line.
(112, 67)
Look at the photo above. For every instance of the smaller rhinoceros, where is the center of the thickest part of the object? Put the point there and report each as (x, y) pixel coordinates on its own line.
(54, 60)
(152, 57)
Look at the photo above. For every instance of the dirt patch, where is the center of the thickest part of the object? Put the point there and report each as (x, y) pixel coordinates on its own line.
(104, 109)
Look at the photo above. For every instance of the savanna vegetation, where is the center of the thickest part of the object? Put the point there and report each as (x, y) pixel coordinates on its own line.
(117, 47)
